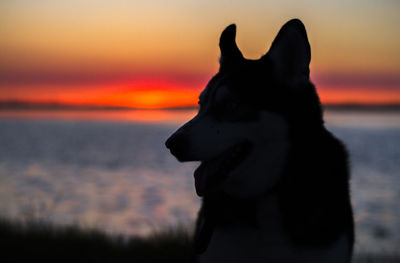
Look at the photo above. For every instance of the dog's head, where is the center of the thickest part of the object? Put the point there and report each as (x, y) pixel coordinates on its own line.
(241, 132)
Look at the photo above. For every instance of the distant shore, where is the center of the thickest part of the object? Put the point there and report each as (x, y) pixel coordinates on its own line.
(25, 105)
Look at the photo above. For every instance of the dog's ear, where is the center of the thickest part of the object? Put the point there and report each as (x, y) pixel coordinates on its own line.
(290, 52)
(230, 53)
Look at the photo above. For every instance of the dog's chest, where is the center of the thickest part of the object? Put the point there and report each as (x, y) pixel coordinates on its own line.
(245, 245)
(266, 242)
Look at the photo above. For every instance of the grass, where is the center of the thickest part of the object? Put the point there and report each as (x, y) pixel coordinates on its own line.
(25, 242)
(36, 240)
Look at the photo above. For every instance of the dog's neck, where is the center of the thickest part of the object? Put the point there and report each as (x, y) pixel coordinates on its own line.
(260, 173)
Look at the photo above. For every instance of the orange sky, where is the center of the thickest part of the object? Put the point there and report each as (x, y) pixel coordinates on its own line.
(154, 54)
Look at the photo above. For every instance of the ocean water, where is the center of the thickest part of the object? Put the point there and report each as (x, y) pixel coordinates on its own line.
(112, 171)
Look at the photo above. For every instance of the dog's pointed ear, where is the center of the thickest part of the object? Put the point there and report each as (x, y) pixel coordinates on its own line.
(230, 52)
(290, 52)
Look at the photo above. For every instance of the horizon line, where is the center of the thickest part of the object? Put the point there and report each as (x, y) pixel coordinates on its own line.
(53, 105)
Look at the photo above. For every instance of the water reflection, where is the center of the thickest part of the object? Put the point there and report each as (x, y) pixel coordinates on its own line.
(115, 173)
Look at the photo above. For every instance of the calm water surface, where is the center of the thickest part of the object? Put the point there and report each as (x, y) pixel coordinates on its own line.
(111, 170)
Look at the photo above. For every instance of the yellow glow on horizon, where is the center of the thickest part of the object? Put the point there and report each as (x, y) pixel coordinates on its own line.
(151, 99)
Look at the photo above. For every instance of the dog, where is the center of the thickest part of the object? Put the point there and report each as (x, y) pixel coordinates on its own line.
(274, 181)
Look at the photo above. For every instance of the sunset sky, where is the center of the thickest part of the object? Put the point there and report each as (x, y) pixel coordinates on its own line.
(154, 53)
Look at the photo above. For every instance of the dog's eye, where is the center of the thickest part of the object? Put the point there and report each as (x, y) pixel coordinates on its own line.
(233, 110)
(231, 106)
(234, 105)
(227, 110)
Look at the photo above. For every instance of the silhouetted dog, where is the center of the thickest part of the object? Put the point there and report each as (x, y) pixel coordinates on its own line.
(274, 181)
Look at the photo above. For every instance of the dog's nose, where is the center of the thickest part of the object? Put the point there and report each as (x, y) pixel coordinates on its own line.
(175, 141)
(177, 144)
(168, 142)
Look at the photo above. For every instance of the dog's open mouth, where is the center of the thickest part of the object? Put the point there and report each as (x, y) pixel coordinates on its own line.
(211, 173)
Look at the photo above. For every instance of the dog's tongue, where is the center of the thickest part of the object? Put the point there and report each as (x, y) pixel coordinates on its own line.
(200, 179)
(203, 173)
(211, 173)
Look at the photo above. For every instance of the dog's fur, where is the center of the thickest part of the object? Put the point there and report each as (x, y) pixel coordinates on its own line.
(274, 181)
